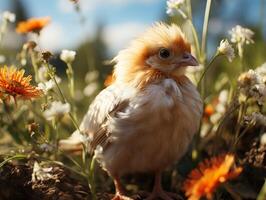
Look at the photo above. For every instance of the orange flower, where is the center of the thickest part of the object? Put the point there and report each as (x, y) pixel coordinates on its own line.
(13, 83)
(208, 111)
(209, 175)
(109, 80)
(32, 25)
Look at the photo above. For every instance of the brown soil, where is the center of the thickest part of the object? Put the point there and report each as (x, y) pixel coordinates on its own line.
(16, 184)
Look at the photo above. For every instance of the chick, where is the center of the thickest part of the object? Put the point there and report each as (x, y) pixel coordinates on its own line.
(145, 120)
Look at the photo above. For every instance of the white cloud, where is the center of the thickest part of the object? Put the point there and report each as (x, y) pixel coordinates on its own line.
(118, 36)
(52, 37)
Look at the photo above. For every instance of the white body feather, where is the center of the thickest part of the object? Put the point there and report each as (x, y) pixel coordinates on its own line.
(151, 130)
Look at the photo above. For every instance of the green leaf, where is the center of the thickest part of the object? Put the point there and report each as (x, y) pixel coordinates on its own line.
(16, 157)
(262, 194)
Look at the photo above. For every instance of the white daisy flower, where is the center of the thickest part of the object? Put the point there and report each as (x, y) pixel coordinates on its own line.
(57, 109)
(172, 6)
(90, 89)
(256, 118)
(91, 76)
(252, 85)
(9, 16)
(226, 49)
(241, 35)
(261, 70)
(43, 74)
(248, 78)
(68, 56)
(48, 85)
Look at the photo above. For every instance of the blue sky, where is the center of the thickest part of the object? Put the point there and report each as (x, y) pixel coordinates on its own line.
(123, 19)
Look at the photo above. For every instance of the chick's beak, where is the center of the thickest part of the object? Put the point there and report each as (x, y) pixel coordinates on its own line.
(187, 60)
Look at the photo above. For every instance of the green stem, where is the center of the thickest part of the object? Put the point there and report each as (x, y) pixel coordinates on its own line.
(67, 167)
(205, 30)
(84, 148)
(241, 112)
(262, 194)
(189, 10)
(240, 48)
(70, 75)
(195, 38)
(62, 96)
(55, 137)
(194, 32)
(35, 66)
(18, 157)
(207, 69)
(240, 135)
(91, 178)
(71, 86)
(2, 30)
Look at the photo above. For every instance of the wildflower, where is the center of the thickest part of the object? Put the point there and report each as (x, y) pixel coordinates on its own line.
(256, 118)
(2, 58)
(258, 92)
(90, 89)
(40, 173)
(261, 70)
(67, 56)
(48, 85)
(33, 128)
(46, 147)
(32, 25)
(247, 79)
(226, 49)
(91, 76)
(252, 85)
(13, 83)
(43, 74)
(78, 95)
(263, 139)
(9, 16)
(222, 101)
(46, 56)
(30, 45)
(205, 128)
(57, 109)
(209, 110)
(223, 96)
(173, 5)
(216, 117)
(241, 35)
(209, 175)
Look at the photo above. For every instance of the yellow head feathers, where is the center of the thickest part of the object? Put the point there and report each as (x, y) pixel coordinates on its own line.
(132, 62)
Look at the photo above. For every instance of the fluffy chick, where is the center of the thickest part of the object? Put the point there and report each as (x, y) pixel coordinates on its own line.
(145, 120)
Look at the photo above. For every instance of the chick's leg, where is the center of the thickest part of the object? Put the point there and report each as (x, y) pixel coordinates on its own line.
(119, 190)
(158, 192)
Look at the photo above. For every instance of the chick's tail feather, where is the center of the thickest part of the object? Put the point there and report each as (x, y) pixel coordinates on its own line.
(73, 144)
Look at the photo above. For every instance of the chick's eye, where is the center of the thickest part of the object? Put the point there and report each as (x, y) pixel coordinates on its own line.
(164, 53)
